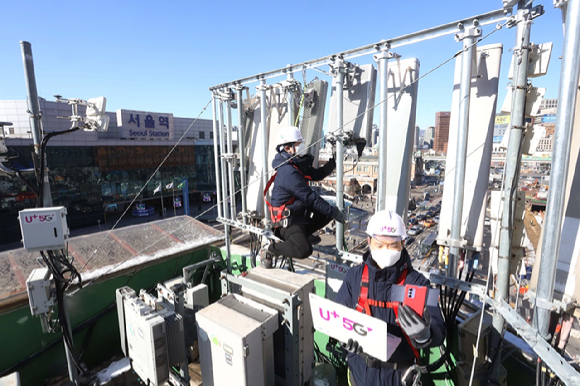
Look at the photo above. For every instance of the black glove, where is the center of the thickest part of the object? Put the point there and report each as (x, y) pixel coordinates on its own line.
(339, 215)
(332, 162)
(415, 327)
(352, 347)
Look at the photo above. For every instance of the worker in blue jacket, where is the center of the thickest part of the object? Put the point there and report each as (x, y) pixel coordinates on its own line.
(367, 288)
(296, 210)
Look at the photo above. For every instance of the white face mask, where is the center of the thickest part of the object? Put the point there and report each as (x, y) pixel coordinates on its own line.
(301, 150)
(385, 257)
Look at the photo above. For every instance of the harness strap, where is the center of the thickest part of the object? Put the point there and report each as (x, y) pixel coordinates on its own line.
(364, 302)
(277, 212)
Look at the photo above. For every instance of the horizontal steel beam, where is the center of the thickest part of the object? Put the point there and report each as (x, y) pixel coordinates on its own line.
(457, 284)
(567, 374)
(249, 228)
(412, 38)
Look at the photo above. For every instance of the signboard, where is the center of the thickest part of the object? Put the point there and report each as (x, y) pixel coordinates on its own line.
(549, 118)
(502, 119)
(144, 124)
(343, 323)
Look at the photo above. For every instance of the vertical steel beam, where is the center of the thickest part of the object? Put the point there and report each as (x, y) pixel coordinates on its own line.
(227, 228)
(231, 160)
(264, 136)
(216, 157)
(382, 61)
(468, 36)
(512, 167)
(340, 67)
(560, 158)
(290, 101)
(223, 150)
(241, 148)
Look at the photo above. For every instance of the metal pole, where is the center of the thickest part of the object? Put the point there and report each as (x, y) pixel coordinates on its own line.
(216, 158)
(340, 66)
(290, 101)
(382, 61)
(512, 167)
(468, 36)
(241, 148)
(560, 158)
(34, 112)
(34, 106)
(227, 228)
(231, 162)
(264, 136)
(223, 151)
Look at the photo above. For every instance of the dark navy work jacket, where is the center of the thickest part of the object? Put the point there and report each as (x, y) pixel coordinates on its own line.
(380, 282)
(290, 182)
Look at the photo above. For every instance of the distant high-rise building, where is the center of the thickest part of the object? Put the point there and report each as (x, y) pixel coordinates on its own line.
(429, 136)
(375, 135)
(417, 137)
(442, 119)
(548, 104)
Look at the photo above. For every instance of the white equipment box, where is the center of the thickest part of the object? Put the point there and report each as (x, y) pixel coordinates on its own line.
(40, 291)
(152, 336)
(294, 356)
(44, 229)
(236, 342)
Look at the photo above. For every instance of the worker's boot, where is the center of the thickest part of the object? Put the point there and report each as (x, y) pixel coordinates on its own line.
(266, 258)
(314, 239)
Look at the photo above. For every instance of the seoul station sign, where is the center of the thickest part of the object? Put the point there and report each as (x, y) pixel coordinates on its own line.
(144, 124)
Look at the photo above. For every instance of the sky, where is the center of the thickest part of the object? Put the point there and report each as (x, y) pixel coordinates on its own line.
(162, 56)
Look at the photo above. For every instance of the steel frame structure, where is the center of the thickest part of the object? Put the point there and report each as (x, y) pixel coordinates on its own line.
(468, 37)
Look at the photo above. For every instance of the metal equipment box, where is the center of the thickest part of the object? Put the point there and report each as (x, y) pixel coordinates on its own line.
(39, 287)
(146, 341)
(235, 342)
(468, 338)
(288, 293)
(44, 229)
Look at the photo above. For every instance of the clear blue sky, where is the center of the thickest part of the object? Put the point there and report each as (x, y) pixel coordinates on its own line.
(162, 56)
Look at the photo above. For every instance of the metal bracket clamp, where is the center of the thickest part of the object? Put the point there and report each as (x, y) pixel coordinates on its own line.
(263, 87)
(352, 257)
(230, 156)
(567, 374)
(468, 32)
(455, 243)
(226, 95)
(458, 284)
(554, 306)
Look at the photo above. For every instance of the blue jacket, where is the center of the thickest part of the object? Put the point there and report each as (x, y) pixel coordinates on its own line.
(380, 282)
(290, 183)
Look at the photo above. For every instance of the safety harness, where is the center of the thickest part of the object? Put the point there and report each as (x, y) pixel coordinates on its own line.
(279, 214)
(364, 302)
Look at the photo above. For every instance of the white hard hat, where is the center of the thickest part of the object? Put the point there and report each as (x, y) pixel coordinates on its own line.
(387, 223)
(289, 134)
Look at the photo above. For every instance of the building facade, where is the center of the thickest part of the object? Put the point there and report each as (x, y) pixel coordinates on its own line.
(92, 173)
(429, 137)
(441, 139)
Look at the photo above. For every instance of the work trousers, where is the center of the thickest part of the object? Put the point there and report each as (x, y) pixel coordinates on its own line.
(295, 236)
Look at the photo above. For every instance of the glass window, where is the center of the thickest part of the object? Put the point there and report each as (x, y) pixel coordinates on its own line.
(202, 135)
(211, 135)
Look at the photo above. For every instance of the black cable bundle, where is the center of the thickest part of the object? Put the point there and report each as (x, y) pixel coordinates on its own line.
(451, 301)
(60, 266)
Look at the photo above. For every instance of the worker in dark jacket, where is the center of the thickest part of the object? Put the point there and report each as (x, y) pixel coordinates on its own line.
(297, 211)
(387, 263)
